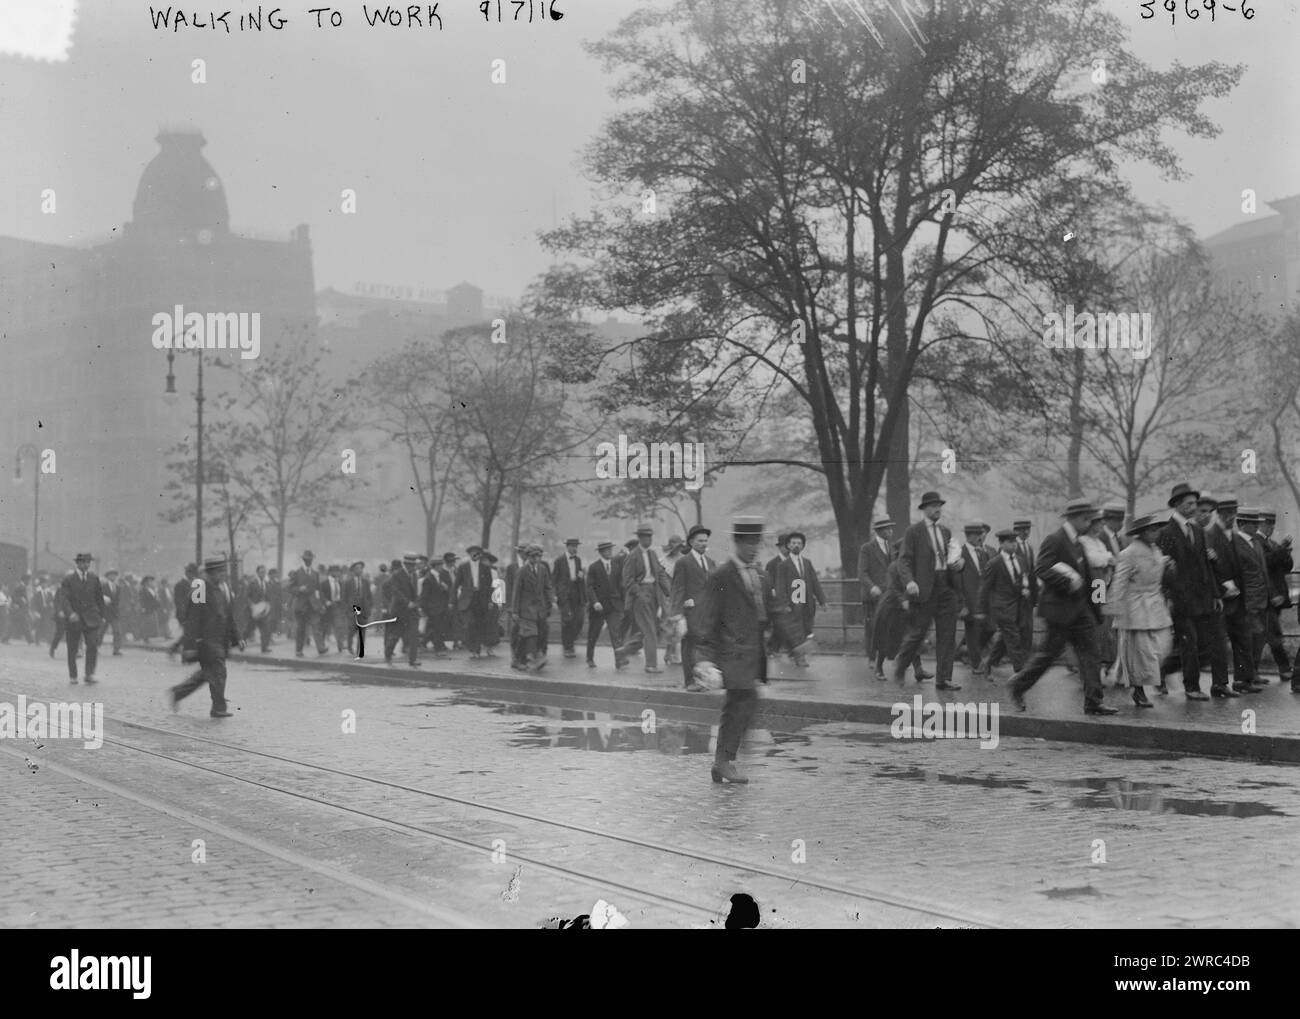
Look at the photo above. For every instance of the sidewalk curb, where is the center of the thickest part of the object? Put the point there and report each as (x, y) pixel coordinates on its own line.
(1148, 736)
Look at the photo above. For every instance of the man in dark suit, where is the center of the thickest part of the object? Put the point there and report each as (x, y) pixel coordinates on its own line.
(570, 594)
(181, 594)
(356, 592)
(1067, 606)
(258, 596)
(404, 606)
(275, 594)
(729, 641)
(1253, 555)
(512, 630)
(874, 558)
(473, 593)
(1195, 605)
(304, 592)
(20, 609)
(112, 609)
(434, 599)
(777, 639)
(1224, 551)
(690, 577)
(931, 588)
(968, 591)
(604, 604)
(82, 602)
(645, 592)
(1278, 559)
(534, 595)
(797, 589)
(210, 627)
(1004, 601)
(1022, 527)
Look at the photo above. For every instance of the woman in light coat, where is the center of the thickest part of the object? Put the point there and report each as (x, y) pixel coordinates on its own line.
(1136, 601)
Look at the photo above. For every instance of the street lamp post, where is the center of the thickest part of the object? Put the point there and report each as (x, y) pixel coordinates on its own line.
(170, 392)
(27, 449)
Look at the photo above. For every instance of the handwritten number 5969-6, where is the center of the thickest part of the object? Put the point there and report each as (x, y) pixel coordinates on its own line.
(1191, 11)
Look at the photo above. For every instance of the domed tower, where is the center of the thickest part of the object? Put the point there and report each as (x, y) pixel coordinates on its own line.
(180, 198)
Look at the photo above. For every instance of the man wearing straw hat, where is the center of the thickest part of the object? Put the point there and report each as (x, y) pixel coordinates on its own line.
(729, 641)
(1067, 606)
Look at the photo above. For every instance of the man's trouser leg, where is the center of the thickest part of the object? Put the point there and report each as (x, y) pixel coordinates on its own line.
(73, 633)
(688, 659)
(918, 622)
(469, 628)
(302, 626)
(1083, 638)
(411, 639)
(1241, 639)
(1041, 660)
(974, 636)
(392, 631)
(1274, 642)
(595, 623)
(737, 713)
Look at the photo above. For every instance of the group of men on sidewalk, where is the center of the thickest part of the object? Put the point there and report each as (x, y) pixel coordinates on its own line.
(1227, 589)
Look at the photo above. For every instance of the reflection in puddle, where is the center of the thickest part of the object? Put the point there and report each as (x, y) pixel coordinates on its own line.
(1105, 793)
(545, 727)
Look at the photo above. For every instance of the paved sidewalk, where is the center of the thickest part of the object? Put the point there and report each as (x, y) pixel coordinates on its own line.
(1263, 726)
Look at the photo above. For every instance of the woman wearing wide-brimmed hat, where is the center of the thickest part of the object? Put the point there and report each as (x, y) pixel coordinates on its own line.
(1136, 601)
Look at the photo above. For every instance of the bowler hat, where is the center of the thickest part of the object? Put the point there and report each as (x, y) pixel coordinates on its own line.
(928, 498)
(697, 529)
(1181, 491)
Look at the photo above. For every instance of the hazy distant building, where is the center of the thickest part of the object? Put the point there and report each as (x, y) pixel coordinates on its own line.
(83, 378)
(1264, 254)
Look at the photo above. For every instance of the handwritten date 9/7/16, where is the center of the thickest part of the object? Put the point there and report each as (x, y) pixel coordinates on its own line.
(537, 10)
(1192, 9)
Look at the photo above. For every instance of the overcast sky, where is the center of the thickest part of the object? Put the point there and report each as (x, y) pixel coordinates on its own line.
(455, 175)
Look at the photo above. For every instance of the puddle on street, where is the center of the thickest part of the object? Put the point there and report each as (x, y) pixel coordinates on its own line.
(547, 727)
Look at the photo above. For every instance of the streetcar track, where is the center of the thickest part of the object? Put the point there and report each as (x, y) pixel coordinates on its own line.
(881, 898)
(449, 917)
(699, 857)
